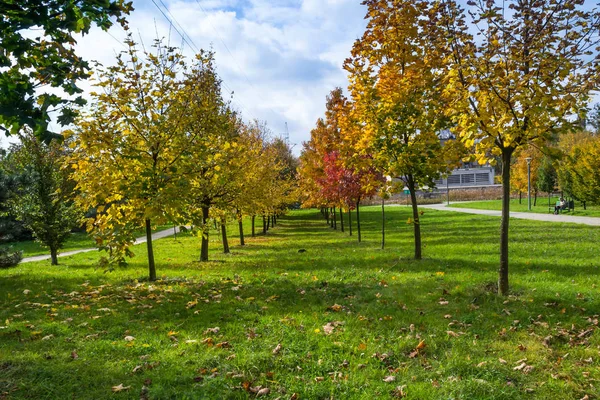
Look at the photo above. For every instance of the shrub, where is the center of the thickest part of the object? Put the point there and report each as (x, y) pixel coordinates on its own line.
(8, 258)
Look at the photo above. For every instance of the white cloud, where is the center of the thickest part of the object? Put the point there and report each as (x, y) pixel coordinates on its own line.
(281, 58)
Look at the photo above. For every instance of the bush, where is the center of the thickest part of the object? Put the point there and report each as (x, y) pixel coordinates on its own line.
(8, 258)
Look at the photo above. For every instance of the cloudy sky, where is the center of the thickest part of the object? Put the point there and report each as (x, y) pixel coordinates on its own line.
(279, 57)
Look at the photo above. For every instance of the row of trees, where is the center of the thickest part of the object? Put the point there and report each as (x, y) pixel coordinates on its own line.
(158, 144)
(161, 144)
(519, 78)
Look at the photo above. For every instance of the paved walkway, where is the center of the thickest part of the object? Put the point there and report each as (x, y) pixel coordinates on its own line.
(594, 221)
(140, 240)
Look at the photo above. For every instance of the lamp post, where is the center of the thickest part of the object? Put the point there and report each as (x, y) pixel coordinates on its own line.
(528, 159)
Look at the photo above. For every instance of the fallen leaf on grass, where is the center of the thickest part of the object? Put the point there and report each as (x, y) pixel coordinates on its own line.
(129, 338)
(120, 388)
(74, 355)
(328, 329)
(214, 330)
(223, 345)
(263, 392)
(399, 392)
(502, 361)
(277, 349)
(335, 307)
(421, 345)
(452, 333)
(389, 379)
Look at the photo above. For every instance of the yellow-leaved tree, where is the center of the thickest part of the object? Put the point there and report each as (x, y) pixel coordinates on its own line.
(396, 72)
(130, 150)
(525, 78)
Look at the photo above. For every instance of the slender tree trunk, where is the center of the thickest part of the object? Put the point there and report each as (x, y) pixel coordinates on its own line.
(584, 205)
(224, 235)
(504, 224)
(519, 197)
(241, 227)
(268, 222)
(253, 220)
(549, 202)
(382, 223)
(416, 221)
(327, 215)
(334, 219)
(54, 255)
(341, 219)
(151, 265)
(273, 221)
(358, 221)
(350, 221)
(204, 248)
(534, 198)
(264, 221)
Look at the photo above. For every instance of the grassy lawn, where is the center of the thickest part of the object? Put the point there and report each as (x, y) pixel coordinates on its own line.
(342, 320)
(77, 241)
(541, 207)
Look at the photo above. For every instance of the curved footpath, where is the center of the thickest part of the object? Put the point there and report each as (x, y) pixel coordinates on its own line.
(156, 235)
(593, 221)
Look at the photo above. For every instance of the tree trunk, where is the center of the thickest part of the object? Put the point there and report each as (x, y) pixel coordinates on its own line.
(519, 197)
(327, 215)
(350, 221)
(504, 224)
(334, 219)
(272, 220)
(204, 248)
(241, 226)
(151, 265)
(584, 205)
(534, 198)
(382, 223)
(358, 221)
(416, 221)
(224, 235)
(268, 222)
(264, 224)
(341, 219)
(53, 256)
(253, 220)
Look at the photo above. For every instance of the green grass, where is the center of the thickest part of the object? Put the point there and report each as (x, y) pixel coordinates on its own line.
(540, 207)
(266, 293)
(77, 241)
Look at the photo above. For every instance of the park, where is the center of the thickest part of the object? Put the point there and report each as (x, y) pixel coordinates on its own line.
(435, 235)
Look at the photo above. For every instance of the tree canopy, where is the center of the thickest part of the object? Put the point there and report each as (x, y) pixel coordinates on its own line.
(38, 55)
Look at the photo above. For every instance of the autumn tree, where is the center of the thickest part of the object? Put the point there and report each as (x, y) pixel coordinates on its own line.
(396, 71)
(215, 157)
(130, 148)
(45, 200)
(522, 80)
(36, 68)
(578, 169)
(519, 177)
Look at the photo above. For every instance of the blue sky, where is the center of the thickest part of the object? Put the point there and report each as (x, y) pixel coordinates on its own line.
(281, 57)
